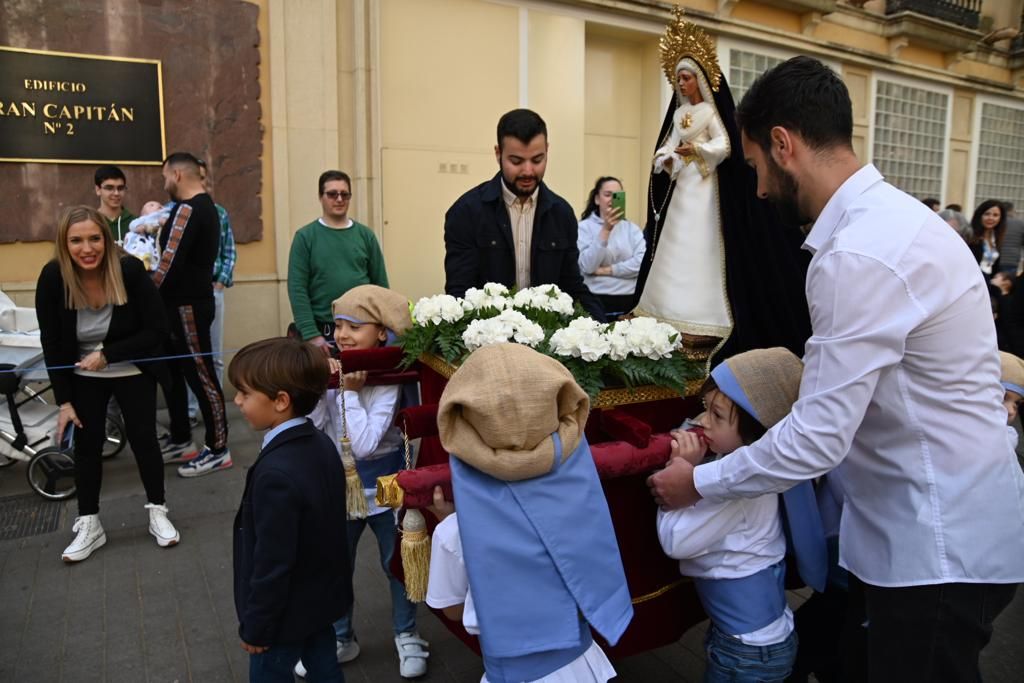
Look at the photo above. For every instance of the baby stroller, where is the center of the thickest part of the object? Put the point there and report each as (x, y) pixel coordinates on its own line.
(28, 422)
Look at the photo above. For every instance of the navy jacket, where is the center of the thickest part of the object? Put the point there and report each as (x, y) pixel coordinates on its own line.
(292, 573)
(479, 247)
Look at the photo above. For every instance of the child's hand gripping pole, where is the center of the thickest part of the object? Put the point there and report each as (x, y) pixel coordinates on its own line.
(415, 542)
(355, 499)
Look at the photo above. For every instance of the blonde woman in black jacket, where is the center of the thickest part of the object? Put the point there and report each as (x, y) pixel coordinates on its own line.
(99, 310)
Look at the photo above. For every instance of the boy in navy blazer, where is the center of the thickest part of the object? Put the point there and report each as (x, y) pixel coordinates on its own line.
(292, 576)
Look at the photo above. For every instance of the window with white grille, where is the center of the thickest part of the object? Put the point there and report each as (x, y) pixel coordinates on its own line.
(910, 137)
(744, 68)
(1000, 169)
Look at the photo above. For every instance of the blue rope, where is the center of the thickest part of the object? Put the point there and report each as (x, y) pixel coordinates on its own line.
(35, 368)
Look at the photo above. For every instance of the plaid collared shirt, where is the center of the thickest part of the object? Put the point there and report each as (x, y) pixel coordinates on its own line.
(224, 266)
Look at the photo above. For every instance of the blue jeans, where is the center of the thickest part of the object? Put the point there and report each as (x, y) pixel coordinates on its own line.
(403, 612)
(316, 652)
(729, 660)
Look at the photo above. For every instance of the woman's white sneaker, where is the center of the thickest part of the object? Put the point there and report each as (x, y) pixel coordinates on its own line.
(160, 527)
(90, 536)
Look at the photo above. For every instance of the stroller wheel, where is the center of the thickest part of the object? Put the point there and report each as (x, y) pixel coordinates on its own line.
(51, 474)
(115, 436)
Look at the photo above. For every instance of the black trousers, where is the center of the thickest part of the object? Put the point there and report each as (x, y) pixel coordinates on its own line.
(929, 633)
(137, 397)
(190, 336)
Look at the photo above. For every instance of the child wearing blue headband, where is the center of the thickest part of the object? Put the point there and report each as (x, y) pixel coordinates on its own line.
(367, 317)
(735, 550)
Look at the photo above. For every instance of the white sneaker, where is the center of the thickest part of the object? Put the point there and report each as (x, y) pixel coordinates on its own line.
(300, 670)
(412, 655)
(347, 650)
(160, 527)
(90, 537)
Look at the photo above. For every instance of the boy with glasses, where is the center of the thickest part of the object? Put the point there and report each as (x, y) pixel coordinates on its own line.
(110, 188)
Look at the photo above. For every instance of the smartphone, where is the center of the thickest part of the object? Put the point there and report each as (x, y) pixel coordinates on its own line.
(619, 201)
(67, 441)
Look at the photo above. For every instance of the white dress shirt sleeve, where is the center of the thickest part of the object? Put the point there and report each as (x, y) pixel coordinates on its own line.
(859, 332)
(369, 413)
(692, 532)
(449, 583)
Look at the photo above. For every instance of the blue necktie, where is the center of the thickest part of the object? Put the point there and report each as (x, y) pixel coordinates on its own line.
(805, 534)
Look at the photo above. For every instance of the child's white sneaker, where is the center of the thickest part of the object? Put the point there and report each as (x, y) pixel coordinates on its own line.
(412, 655)
(347, 650)
(160, 527)
(90, 536)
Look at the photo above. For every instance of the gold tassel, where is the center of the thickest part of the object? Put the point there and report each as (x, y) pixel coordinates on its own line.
(415, 555)
(355, 498)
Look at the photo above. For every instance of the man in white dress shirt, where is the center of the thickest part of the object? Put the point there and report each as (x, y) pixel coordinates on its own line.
(900, 392)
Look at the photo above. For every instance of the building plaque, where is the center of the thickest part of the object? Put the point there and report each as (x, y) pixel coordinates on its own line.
(60, 107)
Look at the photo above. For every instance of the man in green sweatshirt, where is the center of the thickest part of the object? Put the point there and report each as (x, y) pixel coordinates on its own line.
(328, 257)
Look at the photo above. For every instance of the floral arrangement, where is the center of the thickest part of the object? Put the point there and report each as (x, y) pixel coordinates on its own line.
(632, 352)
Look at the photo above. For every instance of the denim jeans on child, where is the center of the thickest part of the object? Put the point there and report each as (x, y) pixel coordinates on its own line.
(728, 659)
(403, 612)
(317, 653)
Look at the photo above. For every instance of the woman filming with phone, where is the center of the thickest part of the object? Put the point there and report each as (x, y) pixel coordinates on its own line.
(611, 248)
(98, 312)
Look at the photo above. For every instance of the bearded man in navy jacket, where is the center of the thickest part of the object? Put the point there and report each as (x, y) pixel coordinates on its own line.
(512, 229)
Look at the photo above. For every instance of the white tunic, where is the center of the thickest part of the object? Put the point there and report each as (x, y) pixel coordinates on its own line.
(686, 284)
(449, 586)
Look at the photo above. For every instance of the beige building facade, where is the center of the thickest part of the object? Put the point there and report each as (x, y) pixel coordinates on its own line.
(404, 95)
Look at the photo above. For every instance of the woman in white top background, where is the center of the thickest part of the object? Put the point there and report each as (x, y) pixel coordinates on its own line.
(611, 249)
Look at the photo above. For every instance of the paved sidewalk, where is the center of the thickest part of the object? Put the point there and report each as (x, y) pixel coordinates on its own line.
(136, 612)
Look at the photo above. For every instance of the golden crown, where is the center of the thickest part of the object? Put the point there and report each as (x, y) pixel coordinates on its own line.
(685, 39)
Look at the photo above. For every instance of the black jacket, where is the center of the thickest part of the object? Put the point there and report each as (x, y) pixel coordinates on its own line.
(479, 246)
(292, 573)
(137, 329)
(189, 242)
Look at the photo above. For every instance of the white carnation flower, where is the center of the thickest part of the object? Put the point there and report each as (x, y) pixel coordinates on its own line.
(437, 309)
(507, 326)
(544, 298)
(642, 337)
(491, 295)
(583, 338)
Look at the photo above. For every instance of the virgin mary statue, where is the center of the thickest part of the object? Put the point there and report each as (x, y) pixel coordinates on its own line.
(719, 267)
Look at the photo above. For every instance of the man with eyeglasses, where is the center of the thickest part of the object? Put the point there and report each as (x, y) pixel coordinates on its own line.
(110, 188)
(328, 257)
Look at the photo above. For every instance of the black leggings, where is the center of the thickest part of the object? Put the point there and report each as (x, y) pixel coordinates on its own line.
(137, 397)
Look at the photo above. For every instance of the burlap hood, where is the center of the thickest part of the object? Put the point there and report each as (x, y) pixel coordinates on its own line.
(769, 380)
(1012, 372)
(373, 304)
(501, 406)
